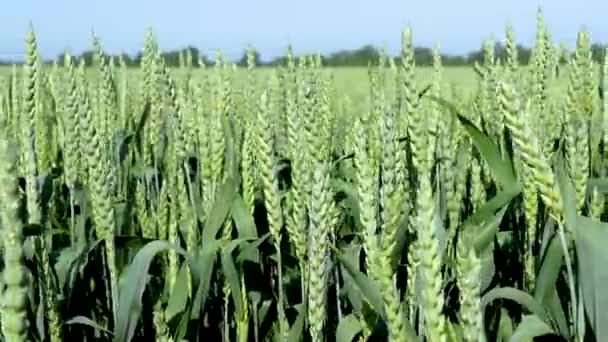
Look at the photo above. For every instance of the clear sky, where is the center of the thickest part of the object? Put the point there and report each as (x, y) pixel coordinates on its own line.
(269, 25)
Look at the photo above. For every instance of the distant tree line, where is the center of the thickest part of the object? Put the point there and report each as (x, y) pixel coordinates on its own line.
(344, 58)
(171, 58)
(424, 56)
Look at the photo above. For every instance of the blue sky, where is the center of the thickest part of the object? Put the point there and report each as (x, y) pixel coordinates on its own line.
(269, 25)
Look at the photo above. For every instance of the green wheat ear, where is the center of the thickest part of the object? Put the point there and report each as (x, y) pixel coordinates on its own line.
(14, 318)
(430, 263)
(318, 257)
(71, 121)
(272, 201)
(30, 109)
(529, 150)
(468, 270)
(512, 55)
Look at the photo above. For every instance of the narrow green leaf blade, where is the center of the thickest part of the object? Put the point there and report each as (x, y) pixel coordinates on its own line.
(505, 326)
(297, 329)
(232, 276)
(202, 269)
(243, 221)
(369, 289)
(522, 298)
(220, 209)
(88, 322)
(591, 239)
(131, 291)
(348, 328)
(530, 327)
(179, 294)
(501, 167)
(549, 270)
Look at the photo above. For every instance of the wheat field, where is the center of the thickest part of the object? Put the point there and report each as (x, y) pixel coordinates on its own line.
(305, 203)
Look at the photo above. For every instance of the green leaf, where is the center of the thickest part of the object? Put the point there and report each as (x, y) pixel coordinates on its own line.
(295, 333)
(220, 209)
(369, 289)
(549, 270)
(545, 291)
(555, 308)
(65, 261)
(349, 288)
(488, 268)
(179, 294)
(232, 276)
(501, 167)
(131, 291)
(202, 269)
(73, 267)
(489, 216)
(182, 327)
(566, 189)
(348, 328)
(505, 326)
(243, 221)
(591, 239)
(522, 298)
(530, 327)
(370, 317)
(88, 322)
(485, 237)
(263, 311)
(250, 251)
(479, 232)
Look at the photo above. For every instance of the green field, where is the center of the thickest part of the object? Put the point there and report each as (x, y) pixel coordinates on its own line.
(353, 82)
(305, 203)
